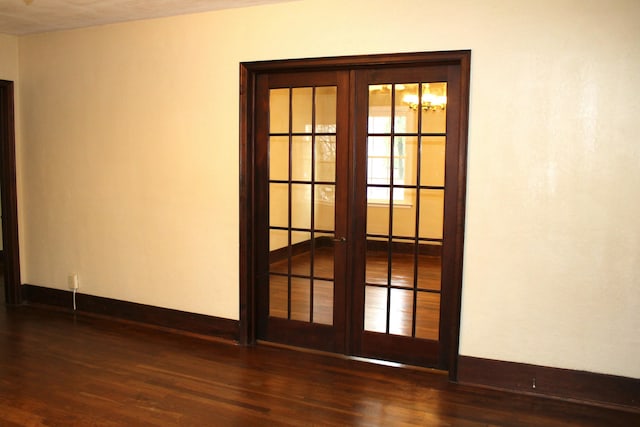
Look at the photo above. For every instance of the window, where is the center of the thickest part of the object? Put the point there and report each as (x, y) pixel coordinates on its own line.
(380, 159)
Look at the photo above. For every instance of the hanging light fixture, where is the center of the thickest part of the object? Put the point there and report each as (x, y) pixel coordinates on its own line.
(434, 98)
(430, 101)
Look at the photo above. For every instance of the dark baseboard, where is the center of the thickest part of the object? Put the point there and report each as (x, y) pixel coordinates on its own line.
(299, 248)
(183, 321)
(566, 384)
(403, 247)
(372, 245)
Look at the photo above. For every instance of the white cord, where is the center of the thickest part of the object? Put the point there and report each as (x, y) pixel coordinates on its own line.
(74, 299)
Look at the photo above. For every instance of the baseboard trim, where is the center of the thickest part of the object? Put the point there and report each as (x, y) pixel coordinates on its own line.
(200, 324)
(299, 248)
(566, 384)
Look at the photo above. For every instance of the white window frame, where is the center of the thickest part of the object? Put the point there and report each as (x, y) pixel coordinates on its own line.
(399, 195)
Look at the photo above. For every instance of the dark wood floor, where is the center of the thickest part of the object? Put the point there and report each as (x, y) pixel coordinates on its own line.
(57, 369)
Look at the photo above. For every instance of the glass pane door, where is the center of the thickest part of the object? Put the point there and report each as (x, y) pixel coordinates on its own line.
(406, 139)
(303, 282)
(402, 141)
(302, 181)
(355, 173)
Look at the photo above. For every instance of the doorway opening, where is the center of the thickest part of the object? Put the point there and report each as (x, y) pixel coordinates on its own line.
(352, 204)
(10, 261)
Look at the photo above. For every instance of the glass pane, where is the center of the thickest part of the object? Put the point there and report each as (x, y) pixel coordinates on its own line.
(375, 309)
(379, 146)
(300, 299)
(278, 240)
(301, 206)
(378, 170)
(378, 167)
(402, 264)
(326, 103)
(401, 312)
(431, 213)
(301, 253)
(428, 316)
(406, 108)
(399, 160)
(278, 296)
(377, 262)
(404, 212)
(323, 256)
(279, 158)
(410, 164)
(325, 205)
(432, 166)
(278, 205)
(434, 107)
(279, 111)
(379, 109)
(378, 218)
(326, 158)
(323, 302)
(278, 251)
(301, 109)
(430, 267)
(301, 158)
(378, 195)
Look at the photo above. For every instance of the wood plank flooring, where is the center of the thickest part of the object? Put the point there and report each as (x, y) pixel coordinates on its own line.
(61, 369)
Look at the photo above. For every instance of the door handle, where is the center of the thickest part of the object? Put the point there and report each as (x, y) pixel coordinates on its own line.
(339, 239)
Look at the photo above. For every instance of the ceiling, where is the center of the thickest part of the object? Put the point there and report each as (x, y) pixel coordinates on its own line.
(20, 17)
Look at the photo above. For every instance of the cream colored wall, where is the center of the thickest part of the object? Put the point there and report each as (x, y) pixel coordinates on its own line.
(129, 160)
(8, 57)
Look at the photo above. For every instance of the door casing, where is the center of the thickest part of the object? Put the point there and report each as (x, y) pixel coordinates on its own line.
(249, 72)
(9, 194)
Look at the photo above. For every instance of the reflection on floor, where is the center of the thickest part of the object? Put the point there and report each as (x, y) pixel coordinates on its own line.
(398, 300)
(133, 375)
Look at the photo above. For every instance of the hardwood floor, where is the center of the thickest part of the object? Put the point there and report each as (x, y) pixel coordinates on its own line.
(61, 369)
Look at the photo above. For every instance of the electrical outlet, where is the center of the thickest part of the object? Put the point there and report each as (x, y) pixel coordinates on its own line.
(73, 281)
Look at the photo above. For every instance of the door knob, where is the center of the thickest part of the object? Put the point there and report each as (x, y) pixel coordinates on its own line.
(339, 239)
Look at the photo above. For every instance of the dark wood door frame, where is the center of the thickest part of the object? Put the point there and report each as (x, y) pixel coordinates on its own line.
(249, 72)
(9, 194)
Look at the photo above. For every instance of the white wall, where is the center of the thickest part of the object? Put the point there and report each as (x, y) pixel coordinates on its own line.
(128, 160)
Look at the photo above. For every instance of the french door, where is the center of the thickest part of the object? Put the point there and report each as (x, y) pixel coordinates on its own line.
(401, 307)
(357, 208)
(302, 127)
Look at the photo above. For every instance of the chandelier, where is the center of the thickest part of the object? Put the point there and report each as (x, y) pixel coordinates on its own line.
(430, 102)
(434, 95)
